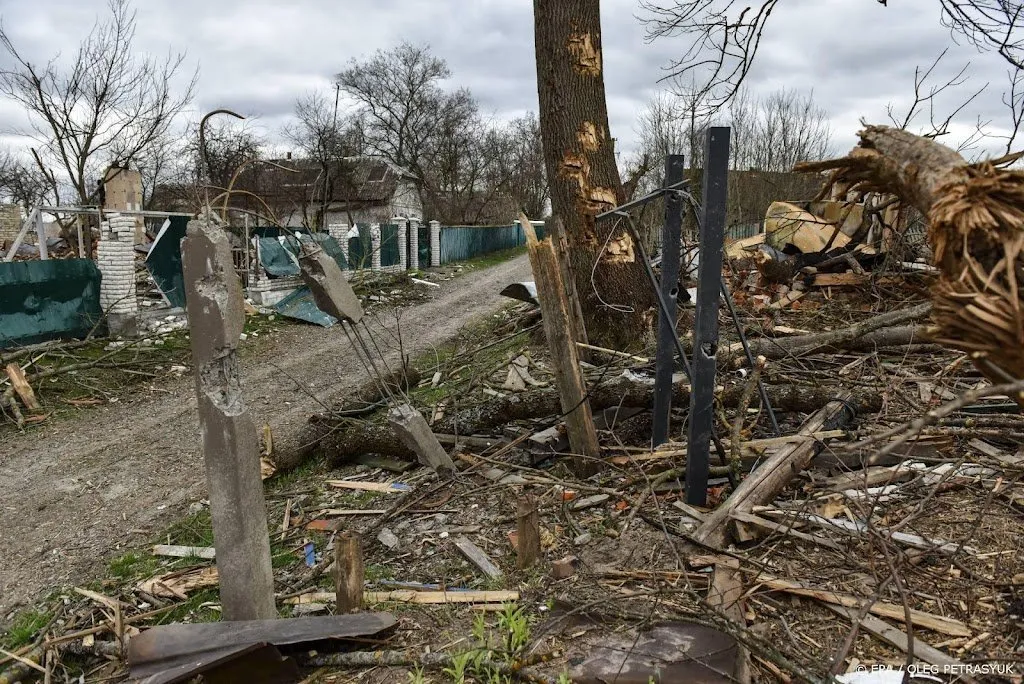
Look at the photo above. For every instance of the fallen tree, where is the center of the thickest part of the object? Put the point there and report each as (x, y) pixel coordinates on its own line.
(340, 438)
(976, 231)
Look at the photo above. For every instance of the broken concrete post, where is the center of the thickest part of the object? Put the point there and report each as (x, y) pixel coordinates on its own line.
(216, 318)
(527, 532)
(375, 246)
(339, 231)
(414, 244)
(412, 429)
(115, 257)
(348, 571)
(331, 291)
(435, 243)
(402, 237)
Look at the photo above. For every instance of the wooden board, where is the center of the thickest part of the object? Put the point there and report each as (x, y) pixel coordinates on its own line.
(388, 487)
(475, 555)
(410, 596)
(207, 552)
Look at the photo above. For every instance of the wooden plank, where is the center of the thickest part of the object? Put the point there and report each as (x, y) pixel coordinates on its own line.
(207, 552)
(918, 618)
(21, 386)
(388, 487)
(528, 531)
(726, 596)
(558, 328)
(21, 235)
(898, 638)
(410, 596)
(781, 528)
(475, 555)
(765, 483)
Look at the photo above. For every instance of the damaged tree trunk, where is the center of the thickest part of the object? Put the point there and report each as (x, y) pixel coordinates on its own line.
(976, 231)
(579, 156)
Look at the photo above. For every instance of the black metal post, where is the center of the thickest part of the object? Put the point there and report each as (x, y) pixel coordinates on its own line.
(705, 341)
(671, 234)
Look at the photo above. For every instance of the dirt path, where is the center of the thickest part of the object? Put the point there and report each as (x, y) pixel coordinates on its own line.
(75, 494)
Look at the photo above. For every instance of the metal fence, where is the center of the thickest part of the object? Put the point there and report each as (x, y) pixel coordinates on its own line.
(45, 300)
(459, 243)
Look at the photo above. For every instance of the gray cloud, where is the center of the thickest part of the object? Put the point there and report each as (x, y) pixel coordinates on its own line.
(258, 56)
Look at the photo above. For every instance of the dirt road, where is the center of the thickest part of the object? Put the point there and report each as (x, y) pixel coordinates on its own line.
(75, 494)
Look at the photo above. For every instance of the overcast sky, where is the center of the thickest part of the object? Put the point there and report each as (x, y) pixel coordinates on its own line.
(258, 56)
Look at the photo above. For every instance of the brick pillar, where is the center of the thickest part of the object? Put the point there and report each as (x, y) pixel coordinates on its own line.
(375, 246)
(115, 257)
(414, 245)
(339, 231)
(435, 243)
(402, 251)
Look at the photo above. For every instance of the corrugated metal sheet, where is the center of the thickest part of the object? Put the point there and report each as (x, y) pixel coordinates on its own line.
(389, 245)
(278, 259)
(164, 260)
(45, 300)
(300, 305)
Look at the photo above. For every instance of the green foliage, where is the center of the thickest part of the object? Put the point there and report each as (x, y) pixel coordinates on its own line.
(416, 676)
(24, 628)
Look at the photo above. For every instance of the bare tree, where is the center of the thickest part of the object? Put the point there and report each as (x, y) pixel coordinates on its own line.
(1014, 101)
(789, 128)
(721, 37)
(20, 181)
(327, 141)
(107, 105)
(401, 102)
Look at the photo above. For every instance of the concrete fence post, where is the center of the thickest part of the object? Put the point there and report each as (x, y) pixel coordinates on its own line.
(414, 244)
(403, 263)
(375, 246)
(339, 231)
(115, 258)
(435, 243)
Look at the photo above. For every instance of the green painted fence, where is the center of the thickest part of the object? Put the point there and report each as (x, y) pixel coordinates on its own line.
(389, 252)
(47, 300)
(459, 243)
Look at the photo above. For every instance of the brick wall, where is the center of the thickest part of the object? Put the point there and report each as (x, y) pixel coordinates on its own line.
(10, 222)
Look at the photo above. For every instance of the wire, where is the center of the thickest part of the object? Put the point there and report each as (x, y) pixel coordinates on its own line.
(593, 276)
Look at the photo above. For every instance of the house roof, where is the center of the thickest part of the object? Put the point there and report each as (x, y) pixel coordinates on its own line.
(362, 180)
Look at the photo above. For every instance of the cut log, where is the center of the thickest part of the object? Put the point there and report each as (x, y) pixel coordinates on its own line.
(21, 386)
(348, 572)
(768, 481)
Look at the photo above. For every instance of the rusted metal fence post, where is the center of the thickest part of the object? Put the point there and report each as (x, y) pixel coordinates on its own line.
(216, 318)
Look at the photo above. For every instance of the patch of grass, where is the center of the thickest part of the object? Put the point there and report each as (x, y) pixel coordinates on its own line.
(193, 610)
(133, 565)
(195, 529)
(24, 628)
(492, 259)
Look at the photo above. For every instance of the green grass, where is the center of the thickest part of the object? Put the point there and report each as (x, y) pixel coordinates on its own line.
(492, 259)
(133, 566)
(24, 628)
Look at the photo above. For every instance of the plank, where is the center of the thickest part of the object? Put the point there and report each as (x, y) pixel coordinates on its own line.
(21, 386)
(207, 552)
(898, 638)
(918, 618)
(475, 555)
(765, 483)
(387, 487)
(410, 596)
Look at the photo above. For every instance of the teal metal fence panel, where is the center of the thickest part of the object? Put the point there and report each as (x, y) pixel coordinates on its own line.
(46, 300)
(423, 236)
(164, 261)
(331, 246)
(465, 242)
(276, 258)
(389, 252)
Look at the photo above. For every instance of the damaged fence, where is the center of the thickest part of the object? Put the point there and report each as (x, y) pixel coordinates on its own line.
(44, 300)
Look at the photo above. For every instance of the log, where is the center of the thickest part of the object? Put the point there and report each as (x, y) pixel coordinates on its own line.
(21, 386)
(348, 571)
(838, 339)
(528, 532)
(768, 481)
(340, 443)
(976, 230)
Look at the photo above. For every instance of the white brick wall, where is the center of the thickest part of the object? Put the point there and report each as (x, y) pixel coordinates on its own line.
(402, 233)
(375, 246)
(116, 261)
(339, 231)
(414, 245)
(435, 243)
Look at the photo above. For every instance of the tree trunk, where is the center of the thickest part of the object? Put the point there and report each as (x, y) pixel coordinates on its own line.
(976, 231)
(579, 155)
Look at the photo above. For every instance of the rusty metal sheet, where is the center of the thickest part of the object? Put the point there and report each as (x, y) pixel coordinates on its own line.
(173, 653)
